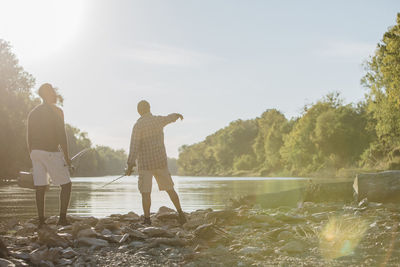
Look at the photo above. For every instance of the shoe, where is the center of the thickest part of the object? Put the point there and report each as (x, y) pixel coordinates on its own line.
(63, 222)
(41, 225)
(147, 221)
(182, 218)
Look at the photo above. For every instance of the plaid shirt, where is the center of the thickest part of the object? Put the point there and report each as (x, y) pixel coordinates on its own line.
(147, 142)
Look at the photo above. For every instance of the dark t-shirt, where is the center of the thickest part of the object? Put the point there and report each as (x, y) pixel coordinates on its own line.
(46, 129)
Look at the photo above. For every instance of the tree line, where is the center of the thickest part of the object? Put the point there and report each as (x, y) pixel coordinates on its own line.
(329, 137)
(16, 100)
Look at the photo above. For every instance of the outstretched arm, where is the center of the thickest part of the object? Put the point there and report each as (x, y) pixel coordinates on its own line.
(165, 120)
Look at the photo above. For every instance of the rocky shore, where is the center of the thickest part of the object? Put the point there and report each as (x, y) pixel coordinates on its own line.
(313, 234)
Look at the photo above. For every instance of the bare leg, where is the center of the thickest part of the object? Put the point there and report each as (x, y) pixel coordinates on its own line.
(175, 199)
(65, 196)
(40, 192)
(146, 203)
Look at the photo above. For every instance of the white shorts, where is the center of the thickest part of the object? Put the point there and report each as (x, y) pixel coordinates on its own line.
(49, 165)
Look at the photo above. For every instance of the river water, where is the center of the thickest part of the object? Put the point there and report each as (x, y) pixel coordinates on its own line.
(89, 199)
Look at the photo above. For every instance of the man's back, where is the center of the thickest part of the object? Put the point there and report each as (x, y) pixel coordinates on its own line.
(44, 128)
(147, 142)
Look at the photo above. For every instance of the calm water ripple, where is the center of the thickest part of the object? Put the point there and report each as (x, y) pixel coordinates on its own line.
(89, 199)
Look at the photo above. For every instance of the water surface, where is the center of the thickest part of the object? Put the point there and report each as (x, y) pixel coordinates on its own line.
(89, 199)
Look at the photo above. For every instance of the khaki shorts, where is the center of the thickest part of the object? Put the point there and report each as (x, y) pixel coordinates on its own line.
(49, 165)
(163, 178)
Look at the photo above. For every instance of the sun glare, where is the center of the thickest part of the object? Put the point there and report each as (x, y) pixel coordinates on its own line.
(39, 29)
(340, 236)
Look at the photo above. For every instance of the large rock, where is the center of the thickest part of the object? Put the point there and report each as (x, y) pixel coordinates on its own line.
(69, 253)
(78, 226)
(293, 247)
(65, 262)
(27, 228)
(6, 263)
(378, 187)
(167, 216)
(88, 241)
(87, 233)
(156, 232)
(20, 255)
(107, 223)
(205, 231)
(51, 239)
(92, 221)
(52, 219)
(164, 209)
(135, 234)
(131, 216)
(39, 255)
(3, 250)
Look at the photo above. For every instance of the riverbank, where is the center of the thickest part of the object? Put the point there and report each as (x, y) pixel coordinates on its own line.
(244, 234)
(345, 173)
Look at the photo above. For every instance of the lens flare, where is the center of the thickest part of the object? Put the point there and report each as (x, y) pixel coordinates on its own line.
(340, 236)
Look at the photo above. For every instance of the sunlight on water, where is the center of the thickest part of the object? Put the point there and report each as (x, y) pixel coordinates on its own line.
(89, 198)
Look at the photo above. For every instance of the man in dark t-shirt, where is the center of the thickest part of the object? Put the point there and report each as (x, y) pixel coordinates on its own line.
(48, 148)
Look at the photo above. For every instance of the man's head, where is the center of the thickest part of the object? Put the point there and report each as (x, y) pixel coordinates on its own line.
(48, 94)
(143, 107)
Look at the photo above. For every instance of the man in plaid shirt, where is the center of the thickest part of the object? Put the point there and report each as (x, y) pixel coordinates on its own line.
(147, 147)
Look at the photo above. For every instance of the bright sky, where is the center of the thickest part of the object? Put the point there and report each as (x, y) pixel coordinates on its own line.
(212, 61)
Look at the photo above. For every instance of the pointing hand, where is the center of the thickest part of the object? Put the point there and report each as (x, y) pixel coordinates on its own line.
(179, 116)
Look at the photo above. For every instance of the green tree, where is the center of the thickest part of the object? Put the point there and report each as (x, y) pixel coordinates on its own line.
(99, 160)
(382, 78)
(16, 100)
(217, 154)
(329, 135)
(272, 127)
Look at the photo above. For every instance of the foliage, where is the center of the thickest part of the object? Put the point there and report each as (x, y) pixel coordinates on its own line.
(99, 161)
(328, 136)
(221, 151)
(382, 79)
(272, 127)
(15, 102)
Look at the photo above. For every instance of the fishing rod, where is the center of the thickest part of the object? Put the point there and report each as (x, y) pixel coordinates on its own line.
(77, 156)
(116, 179)
(80, 153)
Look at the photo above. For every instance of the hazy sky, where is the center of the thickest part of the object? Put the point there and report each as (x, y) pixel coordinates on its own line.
(212, 61)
